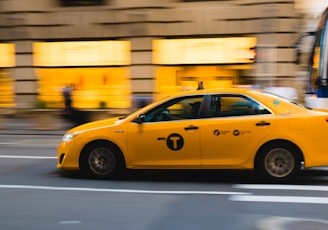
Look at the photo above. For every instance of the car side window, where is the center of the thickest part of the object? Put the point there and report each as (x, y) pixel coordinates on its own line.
(176, 109)
(234, 105)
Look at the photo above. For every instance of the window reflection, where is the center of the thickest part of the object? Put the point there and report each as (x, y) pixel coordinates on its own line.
(176, 109)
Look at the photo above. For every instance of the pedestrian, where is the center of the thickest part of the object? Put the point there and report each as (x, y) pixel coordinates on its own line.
(200, 85)
(67, 94)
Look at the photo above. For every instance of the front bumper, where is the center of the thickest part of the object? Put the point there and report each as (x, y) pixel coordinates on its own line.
(67, 156)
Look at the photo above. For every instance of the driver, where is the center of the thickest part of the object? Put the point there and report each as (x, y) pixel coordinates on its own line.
(195, 109)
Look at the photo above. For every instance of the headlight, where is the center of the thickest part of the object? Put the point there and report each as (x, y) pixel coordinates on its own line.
(69, 136)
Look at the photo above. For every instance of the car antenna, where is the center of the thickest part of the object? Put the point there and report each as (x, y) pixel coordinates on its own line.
(200, 85)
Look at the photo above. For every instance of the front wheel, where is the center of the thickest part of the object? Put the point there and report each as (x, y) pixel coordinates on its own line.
(101, 160)
(278, 162)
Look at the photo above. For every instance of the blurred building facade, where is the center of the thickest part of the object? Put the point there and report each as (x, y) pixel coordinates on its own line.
(115, 50)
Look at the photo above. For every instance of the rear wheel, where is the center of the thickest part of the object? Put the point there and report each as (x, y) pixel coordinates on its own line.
(278, 162)
(101, 160)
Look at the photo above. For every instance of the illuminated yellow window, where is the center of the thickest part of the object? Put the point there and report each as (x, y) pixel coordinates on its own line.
(183, 63)
(95, 71)
(7, 95)
(7, 59)
(204, 51)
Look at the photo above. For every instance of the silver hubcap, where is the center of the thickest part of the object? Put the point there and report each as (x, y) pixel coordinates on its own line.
(279, 162)
(101, 161)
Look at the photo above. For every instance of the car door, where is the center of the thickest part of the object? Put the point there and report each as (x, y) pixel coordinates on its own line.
(234, 130)
(168, 137)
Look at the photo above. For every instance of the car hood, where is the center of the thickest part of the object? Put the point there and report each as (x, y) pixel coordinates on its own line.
(96, 124)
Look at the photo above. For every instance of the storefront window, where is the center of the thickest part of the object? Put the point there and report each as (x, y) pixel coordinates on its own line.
(7, 95)
(7, 60)
(92, 88)
(217, 62)
(96, 72)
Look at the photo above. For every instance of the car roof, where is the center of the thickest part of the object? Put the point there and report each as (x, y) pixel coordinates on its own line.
(274, 102)
(214, 90)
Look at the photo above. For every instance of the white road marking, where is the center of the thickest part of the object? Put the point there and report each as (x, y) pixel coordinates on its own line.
(282, 187)
(26, 157)
(70, 222)
(280, 199)
(280, 223)
(120, 190)
(274, 223)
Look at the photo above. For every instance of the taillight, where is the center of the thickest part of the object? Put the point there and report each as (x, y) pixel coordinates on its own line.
(326, 119)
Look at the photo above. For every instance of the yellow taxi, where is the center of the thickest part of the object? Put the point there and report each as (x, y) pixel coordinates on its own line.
(203, 129)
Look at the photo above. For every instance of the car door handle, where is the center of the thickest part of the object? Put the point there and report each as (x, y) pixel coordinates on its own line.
(263, 123)
(191, 127)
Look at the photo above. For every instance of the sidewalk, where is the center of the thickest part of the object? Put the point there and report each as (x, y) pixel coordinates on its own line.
(20, 132)
(46, 122)
(23, 126)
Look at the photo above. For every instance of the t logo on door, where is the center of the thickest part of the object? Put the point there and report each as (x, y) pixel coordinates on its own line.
(175, 141)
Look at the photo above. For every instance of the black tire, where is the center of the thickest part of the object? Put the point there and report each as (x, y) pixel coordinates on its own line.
(278, 162)
(101, 160)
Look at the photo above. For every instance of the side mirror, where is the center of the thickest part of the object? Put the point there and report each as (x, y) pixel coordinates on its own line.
(141, 118)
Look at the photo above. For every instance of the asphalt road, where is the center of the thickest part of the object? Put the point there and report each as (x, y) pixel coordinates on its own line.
(35, 195)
